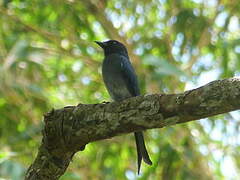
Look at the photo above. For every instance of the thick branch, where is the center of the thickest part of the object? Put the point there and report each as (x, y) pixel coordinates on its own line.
(69, 129)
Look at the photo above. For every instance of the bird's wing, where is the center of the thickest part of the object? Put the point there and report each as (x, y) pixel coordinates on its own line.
(129, 76)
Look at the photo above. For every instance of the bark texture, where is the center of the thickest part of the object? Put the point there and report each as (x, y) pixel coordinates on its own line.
(69, 129)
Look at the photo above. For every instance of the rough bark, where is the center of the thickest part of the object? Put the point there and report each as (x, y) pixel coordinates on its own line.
(69, 129)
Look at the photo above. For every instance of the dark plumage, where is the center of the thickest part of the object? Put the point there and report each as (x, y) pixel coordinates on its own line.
(121, 82)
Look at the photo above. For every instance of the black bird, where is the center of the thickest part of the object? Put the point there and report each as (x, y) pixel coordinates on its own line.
(121, 82)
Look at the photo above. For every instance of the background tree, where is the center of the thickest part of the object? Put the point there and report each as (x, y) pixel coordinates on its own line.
(48, 59)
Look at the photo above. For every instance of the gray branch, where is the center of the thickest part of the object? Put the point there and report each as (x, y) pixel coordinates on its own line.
(69, 129)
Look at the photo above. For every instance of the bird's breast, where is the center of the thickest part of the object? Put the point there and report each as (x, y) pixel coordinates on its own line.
(116, 87)
(114, 82)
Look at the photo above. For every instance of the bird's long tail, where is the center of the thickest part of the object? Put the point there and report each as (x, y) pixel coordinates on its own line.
(141, 150)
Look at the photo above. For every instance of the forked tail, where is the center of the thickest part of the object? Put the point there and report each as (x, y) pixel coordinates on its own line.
(141, 150)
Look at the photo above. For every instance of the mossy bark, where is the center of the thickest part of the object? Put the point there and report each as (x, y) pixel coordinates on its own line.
(69, 129)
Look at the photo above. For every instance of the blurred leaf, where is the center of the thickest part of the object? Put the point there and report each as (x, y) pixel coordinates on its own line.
(162, 66)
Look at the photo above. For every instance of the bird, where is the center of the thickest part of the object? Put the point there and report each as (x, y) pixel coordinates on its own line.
(121, 82)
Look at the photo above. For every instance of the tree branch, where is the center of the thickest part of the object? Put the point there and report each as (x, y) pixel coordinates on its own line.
(69, 129)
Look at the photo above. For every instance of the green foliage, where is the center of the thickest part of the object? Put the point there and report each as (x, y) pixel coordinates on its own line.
(48, 60)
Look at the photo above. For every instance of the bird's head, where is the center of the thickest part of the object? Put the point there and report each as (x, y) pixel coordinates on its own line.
(112, 46)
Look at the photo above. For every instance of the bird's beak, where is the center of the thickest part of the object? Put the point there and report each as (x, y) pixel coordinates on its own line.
(101, 44)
